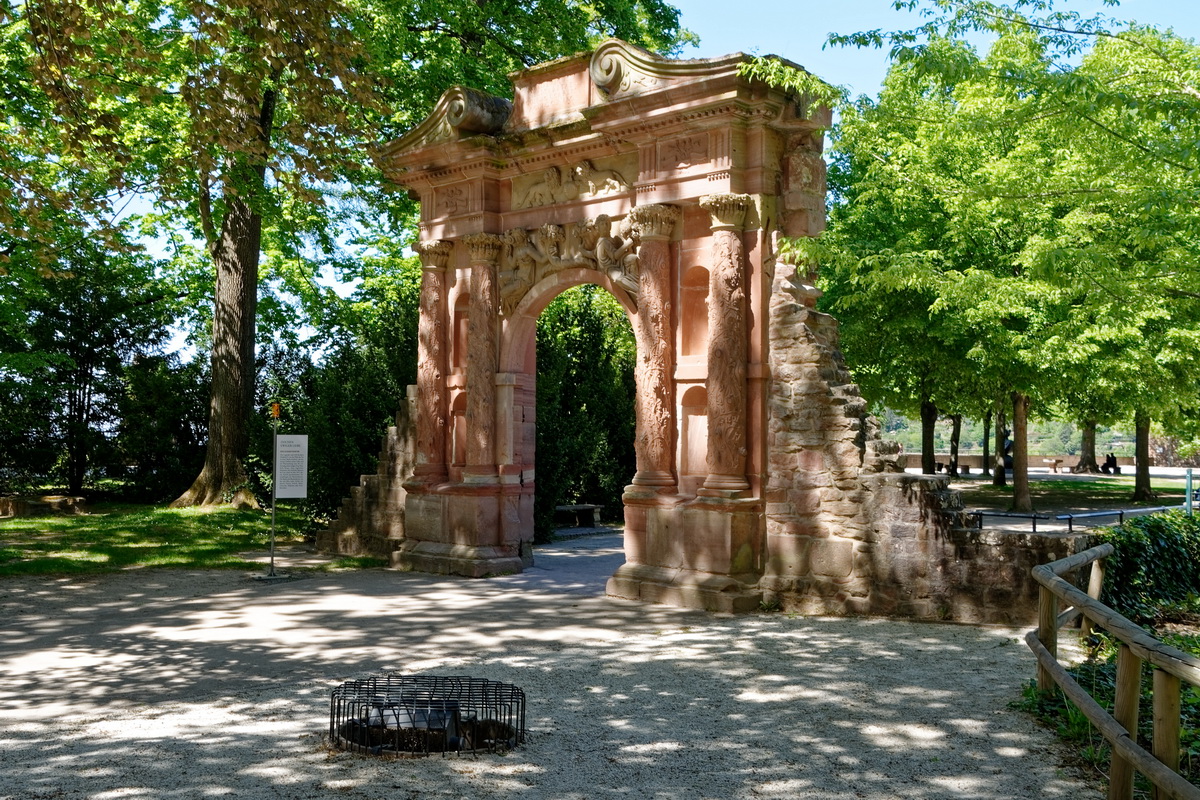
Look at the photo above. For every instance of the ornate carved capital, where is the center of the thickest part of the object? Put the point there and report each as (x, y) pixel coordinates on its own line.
(654, 221)
(435, 254)
(484, 248)
(728, 210)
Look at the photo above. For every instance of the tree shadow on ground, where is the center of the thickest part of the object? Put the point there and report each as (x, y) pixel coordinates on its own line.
(162, 684)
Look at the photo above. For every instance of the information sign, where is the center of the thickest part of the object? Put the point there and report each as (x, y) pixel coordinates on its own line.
(291, 466)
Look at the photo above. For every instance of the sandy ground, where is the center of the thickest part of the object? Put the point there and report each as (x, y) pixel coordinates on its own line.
(174, 684)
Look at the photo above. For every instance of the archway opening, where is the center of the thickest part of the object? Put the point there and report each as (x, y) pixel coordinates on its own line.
(585, 419)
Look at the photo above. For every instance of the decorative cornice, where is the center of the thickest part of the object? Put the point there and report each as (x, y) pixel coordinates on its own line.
(619, 69)
(484, 248)
(655, 221)
(460, 112)
(728, 210)
(435, 254)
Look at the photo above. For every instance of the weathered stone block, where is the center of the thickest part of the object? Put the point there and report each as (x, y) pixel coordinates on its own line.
(832, 558)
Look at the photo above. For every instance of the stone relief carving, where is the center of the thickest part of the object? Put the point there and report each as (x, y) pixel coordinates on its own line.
(564, 184)
(452, 199)
(529, 257)
(431, 423)
(686, 152)
(728, 344)
(618, 68)
(520, 263)
(482, 358)
(655, 365)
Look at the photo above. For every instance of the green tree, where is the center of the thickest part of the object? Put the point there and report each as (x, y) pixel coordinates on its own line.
(80, 333)
(240, 117)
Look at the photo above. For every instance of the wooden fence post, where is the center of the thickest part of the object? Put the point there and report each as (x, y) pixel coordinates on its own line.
(1125, 712)
(1166, 723)
(1047, 634)
(1095, 586)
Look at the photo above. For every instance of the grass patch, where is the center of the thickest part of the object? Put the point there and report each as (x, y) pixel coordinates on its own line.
(354, 562)
(1100, 492)
(117, 537)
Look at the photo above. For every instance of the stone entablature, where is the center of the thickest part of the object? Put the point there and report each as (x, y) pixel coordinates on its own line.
(759, 473)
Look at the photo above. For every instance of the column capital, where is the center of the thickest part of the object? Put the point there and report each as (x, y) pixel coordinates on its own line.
(435, 254)
(728, 210)
(655, 221)
(484, 248)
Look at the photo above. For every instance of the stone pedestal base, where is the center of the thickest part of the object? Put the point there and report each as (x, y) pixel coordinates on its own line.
(683, 588)
(440, 558)
(705, 553)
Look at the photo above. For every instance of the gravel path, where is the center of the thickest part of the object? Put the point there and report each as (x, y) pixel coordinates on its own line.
(174, 684)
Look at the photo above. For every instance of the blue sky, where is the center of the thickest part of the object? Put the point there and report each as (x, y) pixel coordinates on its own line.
(796, 30)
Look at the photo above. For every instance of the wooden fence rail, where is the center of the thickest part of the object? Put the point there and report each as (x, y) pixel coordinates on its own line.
(1136, 647)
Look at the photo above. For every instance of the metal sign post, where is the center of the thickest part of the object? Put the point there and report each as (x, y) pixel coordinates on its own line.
(1187, 493)
(274, 481)
(272, 575)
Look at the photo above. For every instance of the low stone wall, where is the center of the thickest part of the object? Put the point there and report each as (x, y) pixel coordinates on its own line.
(42, 505)
(975, 460)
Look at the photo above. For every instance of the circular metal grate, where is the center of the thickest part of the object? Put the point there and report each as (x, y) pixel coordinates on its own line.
(422, 714)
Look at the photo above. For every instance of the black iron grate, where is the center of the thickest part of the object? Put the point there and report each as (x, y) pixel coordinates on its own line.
(422, 714)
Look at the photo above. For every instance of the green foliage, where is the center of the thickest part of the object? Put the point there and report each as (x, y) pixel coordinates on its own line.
(161, 413)
(62, 362)
(1153, 565)
(803, 83)
(585, 414)
(343, 386)
(1098, 676)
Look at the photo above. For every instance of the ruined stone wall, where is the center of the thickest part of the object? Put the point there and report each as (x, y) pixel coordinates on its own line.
(371, 519)
(847, 531)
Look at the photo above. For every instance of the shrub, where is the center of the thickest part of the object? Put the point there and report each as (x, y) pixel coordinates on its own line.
(1153, 565)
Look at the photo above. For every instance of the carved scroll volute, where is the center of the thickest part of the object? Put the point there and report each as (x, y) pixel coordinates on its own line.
(482, 358)
(432, 347)
(728, 345)
(655, 446)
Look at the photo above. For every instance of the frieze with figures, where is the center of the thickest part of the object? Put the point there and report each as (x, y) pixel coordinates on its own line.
(530, 256)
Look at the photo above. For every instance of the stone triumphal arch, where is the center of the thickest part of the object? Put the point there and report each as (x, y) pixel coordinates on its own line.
(759, 472)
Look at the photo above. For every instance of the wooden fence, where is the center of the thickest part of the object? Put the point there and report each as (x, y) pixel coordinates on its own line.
(1174, 666)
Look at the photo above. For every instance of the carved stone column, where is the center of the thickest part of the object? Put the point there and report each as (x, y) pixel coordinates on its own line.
(656, 359)
(728, 345)
(431, 422)
(482, 355)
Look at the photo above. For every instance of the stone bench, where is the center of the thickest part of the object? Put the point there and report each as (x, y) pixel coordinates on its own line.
(1053, 462)
(580, 509)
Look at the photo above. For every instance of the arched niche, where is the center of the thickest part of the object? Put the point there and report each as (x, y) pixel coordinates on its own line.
(694, 313)
(693, 441)
(458, 431)
(460, 320)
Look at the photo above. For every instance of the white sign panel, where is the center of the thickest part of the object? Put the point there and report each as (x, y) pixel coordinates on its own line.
(291, 466)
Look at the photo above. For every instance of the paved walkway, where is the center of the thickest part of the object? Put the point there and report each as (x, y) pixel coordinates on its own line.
(208, 684)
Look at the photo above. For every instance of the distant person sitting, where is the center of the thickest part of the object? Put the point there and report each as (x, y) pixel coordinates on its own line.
(1109, 467)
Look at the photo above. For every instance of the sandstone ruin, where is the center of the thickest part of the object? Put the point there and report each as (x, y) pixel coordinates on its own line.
(761, 478)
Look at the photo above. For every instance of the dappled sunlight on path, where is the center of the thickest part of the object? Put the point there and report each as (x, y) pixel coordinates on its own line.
(188, 684)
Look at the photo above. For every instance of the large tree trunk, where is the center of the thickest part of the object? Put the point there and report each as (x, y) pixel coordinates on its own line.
(1087, 449)
(223, 478)
(1022, 500)
(1141, 450)
(999, 476)
(955, 435)
(235, 254)
(987, 433)
(928, 421)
